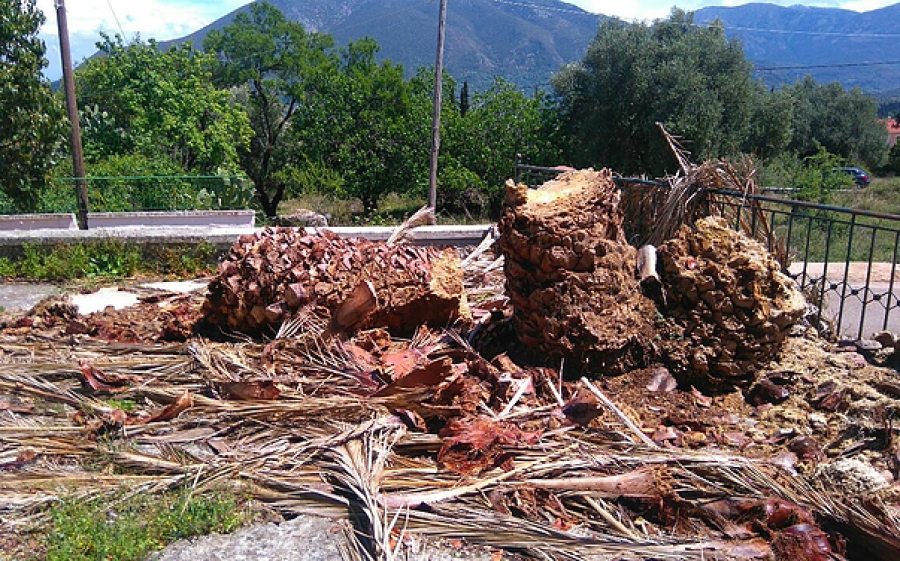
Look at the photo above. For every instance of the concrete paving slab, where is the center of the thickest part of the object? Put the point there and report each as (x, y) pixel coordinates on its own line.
(181, 287)
(102, 299)
(20, 297)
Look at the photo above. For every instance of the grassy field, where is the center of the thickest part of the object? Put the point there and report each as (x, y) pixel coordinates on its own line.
(392, 211)
(882, 195)
(871, 237)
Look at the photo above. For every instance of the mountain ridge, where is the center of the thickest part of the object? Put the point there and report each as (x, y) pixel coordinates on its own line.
(525, 42)
(831, 44)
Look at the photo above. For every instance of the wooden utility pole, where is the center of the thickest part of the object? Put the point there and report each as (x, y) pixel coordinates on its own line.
(438, 97)
(72, 108)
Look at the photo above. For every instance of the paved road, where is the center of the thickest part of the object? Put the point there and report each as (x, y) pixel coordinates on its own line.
(17, 297)
(879, 276)
(875, 311)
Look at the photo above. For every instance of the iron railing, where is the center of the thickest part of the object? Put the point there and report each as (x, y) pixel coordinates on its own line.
(145, 193)
(844, 260)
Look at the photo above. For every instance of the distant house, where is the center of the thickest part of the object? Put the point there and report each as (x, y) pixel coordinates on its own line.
(893, 128)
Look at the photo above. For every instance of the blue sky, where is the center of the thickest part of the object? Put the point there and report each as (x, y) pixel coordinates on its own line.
(168, 19)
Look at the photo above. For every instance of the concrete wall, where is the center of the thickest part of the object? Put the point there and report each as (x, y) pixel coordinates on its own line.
(197, 218)
(37, 222)
(212, 218)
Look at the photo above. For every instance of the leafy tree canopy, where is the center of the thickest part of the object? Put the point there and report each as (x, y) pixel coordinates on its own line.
(279, 67)
(32, 121)
(690, 78)
(137, 98)
(363, 125)
(844, 122)
(497, 125)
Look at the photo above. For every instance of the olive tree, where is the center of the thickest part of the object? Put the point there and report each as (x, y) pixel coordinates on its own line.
(690, 78)
(277, 68)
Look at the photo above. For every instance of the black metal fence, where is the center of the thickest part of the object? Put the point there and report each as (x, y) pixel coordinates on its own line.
(146, 193)
(844, 260)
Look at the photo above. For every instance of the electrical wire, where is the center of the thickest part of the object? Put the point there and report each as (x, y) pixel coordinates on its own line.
(836, 65)
(810, 33)
(115, 17)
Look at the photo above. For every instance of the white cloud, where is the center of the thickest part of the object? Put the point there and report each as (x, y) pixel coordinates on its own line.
(627, 9)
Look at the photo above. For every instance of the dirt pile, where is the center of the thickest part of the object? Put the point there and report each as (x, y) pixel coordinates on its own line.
(729, 304)
(570, 274)
(267, 277)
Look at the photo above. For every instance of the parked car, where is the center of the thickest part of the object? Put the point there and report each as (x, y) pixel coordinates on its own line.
(860, 176)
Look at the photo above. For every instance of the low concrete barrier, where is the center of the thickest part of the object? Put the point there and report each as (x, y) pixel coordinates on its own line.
(222, 237)
(196, 218)
(38, 222)
(212, 218)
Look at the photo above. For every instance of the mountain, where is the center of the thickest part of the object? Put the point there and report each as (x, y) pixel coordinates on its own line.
(526, 41)
(854, 48)
(523, 41)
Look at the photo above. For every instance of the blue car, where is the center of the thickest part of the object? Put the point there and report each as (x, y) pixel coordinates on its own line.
(860, 176)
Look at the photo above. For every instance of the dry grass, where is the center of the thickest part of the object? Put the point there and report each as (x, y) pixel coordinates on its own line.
(322, 445)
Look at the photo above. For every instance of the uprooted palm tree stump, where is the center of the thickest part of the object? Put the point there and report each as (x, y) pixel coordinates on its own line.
(570, 275)
(267, 277)
(729, 302)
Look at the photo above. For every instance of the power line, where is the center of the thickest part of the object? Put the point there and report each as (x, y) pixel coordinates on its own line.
(811, 33)
(548, 8)
(836, 65)
(115, 17)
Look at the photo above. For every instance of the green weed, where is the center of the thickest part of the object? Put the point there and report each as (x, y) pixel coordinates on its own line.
(130, 527)
(106, 259)
(185, 260)
(123, 404)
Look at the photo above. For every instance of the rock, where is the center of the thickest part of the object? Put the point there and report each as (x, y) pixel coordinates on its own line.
(887, 339)
(868, 346)
(303, 218)
(853, 476)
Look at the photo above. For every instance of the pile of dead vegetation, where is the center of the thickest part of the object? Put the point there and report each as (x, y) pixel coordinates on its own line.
(611, 427)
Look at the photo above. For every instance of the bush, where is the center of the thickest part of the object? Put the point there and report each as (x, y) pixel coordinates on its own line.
(110, 258)
(106, 259)
(461, 191)
(813, 178)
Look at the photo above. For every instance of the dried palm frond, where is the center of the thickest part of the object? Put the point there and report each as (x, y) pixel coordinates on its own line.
(358, 468)
(422, 217)
(323, 446)
(695, 191)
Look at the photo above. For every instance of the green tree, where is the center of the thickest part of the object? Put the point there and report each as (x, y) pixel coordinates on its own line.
(279, 69)
(500, 124)
(893, 163)
(364, 126)
(690, 78)
(844, 122)
(770, 128)
(464, 99)
(138, 98)
(32, 122)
